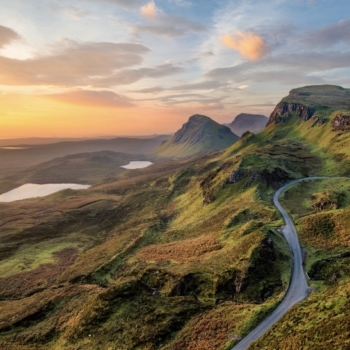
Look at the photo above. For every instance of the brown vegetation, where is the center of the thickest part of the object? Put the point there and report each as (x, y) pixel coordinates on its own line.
(185, 250)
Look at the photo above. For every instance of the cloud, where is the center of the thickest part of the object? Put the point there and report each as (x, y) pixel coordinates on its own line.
(243, 87)
(329, 35)
(169, 26)
(129, 76)
(182, 3)
(127, 4)
(285, 78)
(151, 90)
(149, 11)
(7, 36)
(286, 68)
(189, 98)
(77, 64)
(200, 56)
(202, 85)
(249, 45)
(102, 98)
(71, 12)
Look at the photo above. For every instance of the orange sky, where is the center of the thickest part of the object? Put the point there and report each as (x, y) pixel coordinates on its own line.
(35, 115)
(134, 67)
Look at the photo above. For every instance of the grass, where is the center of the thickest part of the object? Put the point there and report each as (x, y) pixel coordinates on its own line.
(320, 321)
(184, 254)
(155, 235)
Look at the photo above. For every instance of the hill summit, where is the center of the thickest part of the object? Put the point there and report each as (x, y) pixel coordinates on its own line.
(311, 101)
(248, 122)
(200, 134)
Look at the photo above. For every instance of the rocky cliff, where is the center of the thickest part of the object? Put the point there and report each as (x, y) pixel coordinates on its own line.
(341, 123)
(318, 100)
(284, 109)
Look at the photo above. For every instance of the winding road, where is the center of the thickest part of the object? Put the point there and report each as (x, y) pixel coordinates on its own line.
(298, 287)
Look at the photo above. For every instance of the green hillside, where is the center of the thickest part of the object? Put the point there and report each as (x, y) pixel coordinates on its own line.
(199, 135)
(321, 211)
(186, 254)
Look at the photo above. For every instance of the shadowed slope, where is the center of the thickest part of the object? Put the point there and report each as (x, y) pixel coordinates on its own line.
(199, 135)
(248, 122)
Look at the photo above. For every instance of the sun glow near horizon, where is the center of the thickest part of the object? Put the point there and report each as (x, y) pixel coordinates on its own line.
(143, 67)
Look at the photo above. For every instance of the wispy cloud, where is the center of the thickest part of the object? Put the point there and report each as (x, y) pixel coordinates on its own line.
(128, 4)
(169, 26)
(329, 35)
(202, 85)
(102, 98)
(151, 90)
(7, 35)
(77, 65)
(182, 3)
(71, 12)
(249, 45)
(129, 76)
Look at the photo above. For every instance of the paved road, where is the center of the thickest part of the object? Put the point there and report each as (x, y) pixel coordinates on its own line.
(298, 288)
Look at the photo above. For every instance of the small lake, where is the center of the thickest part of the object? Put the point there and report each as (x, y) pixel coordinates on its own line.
(34, 190)
(137, 165)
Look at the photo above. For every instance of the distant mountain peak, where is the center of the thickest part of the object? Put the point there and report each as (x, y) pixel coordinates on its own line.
(200, 134)
(199, 117)
(248, 122)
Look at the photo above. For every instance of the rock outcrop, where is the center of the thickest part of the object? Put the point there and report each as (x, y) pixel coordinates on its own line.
(315, 101)
(341, 123)
(284, 109)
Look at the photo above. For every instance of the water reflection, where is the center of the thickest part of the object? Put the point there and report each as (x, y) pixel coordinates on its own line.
(137, 165)
(34, 190)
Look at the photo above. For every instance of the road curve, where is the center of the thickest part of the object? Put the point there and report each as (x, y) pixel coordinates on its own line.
(298, 287)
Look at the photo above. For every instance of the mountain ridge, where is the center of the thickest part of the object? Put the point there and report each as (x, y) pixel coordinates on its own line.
(200, 134)
(248, 122)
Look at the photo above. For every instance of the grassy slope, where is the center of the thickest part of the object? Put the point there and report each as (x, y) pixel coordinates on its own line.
(321, 211)
(322, 320)
(182, 254)
(175, 234)
(149, 256)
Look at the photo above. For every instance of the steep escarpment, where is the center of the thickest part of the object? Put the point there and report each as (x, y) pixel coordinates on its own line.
(284, 109)
(308, 101)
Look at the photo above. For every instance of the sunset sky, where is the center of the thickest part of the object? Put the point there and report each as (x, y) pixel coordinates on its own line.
(135, 67)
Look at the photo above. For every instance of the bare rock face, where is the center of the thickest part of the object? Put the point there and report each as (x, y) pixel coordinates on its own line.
(314, 102)
(284, 109)
(341, 123)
